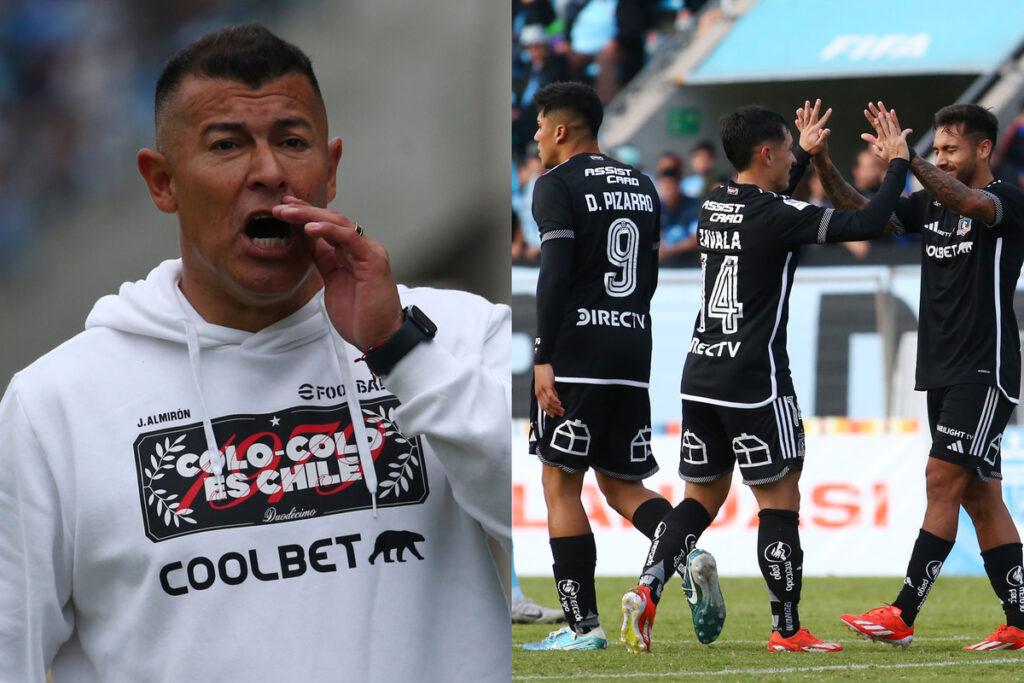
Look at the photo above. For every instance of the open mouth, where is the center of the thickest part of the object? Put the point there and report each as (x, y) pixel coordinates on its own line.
(268, 232)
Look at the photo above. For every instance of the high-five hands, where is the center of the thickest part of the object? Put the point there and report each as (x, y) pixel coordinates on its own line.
(813, 134)
(889, 141)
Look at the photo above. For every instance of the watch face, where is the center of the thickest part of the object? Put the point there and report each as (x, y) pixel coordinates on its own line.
(422, 321)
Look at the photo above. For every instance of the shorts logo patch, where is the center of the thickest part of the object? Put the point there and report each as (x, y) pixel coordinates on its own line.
(640, 446)
(777, 552)
(933, 568)
(1015, 577)
(751, 451)
(572, 437)
(994, 447)
(693, 450)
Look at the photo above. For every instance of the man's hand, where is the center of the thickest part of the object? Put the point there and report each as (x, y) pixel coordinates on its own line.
(888, 142)
(544, 388)
(813, 134)
(359, 290)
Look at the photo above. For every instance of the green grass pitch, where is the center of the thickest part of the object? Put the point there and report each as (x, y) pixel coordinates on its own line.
(960, 611)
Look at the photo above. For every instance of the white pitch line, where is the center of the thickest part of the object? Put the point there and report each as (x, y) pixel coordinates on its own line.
(771, 671)
(852, 639)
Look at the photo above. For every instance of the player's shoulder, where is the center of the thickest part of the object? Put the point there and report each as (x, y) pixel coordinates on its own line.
(1007, 192)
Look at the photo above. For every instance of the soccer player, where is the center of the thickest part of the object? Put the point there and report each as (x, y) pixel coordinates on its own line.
(968, 360)
(739, 405)
(599, 223)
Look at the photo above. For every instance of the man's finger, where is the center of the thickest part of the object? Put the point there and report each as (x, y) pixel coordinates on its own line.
(825, 117)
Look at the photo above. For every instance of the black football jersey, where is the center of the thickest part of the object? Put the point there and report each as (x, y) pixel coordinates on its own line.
(600, 331)
(967, 330)
(749, 249)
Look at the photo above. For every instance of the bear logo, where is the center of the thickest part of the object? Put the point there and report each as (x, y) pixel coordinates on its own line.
(399, 541)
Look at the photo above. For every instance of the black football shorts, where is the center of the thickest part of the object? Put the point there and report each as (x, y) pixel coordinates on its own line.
(605, 426)
(766, 442)
(967, 423)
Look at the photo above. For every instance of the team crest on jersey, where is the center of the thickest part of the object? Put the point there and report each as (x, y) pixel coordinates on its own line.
(732, 190)
(963, 227)
(291, 464)
(796, 204)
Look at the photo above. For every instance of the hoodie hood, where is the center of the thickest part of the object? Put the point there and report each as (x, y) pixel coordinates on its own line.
(157, 308)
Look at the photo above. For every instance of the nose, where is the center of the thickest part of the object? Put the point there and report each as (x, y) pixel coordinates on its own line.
(265, 170)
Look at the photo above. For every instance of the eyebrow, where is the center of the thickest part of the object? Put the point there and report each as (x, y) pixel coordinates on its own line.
(234, 127)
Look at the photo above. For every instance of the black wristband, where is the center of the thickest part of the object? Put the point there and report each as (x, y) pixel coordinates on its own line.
(416, 327)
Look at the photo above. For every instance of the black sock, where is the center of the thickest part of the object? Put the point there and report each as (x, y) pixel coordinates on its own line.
(782, 564)
(649, 513)
(926, 560)
(679, 531)
(575, 560)
(1003, 566)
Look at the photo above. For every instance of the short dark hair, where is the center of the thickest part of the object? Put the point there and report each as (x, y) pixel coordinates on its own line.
(250, 54)
(979, 123)
(747, 128)
(579, 99)
(705, 145)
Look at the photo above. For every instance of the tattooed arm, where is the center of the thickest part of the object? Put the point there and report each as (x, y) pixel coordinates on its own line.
(839, 192)
(953, 194)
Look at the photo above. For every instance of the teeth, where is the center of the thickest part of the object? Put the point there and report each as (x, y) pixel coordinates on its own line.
(271, 242)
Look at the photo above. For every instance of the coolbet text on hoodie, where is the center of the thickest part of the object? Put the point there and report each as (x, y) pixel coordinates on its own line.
(183, 501)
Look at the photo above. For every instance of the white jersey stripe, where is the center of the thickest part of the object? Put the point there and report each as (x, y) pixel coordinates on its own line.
(781, 429)
(984, 423)
(592, 380)
(999, 317)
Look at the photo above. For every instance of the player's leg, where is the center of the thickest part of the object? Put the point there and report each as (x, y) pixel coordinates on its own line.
(563, 446)
(706, 465)
(961, 419)
(1000, 552)
(768, 443)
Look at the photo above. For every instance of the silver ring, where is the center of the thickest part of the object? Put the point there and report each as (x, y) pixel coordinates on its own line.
(359, 230)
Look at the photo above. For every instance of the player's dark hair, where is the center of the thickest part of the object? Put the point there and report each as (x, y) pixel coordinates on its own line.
(249, 54)
(746, 129)
(578, 99)
(978, 123)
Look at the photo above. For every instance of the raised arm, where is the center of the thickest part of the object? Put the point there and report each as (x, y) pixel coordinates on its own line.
(945, 188)
(814, 139)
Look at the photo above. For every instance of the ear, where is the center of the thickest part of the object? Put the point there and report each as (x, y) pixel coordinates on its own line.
(333, 158)
(985, 149)
(156, 172)
(764, 155)
(561, 133)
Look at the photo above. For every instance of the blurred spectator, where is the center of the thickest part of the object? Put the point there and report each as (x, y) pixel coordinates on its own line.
(669, 160)
(868, 172)
(1009, 157)
(703, 158)
(530, 13)
(606, 41)
(527, 173)
(678, 216)
(540, 67)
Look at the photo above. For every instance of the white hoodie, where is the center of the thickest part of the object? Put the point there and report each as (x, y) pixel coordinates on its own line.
(119, 563)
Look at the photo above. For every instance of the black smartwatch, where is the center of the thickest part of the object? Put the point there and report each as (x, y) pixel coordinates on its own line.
(416, 327)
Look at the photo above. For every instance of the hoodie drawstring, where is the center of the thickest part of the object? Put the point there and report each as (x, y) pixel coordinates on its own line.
(355, 411)
(216, 457)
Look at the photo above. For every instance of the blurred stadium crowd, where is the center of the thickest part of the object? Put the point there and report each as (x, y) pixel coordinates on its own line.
(606, 43)
(67, 69)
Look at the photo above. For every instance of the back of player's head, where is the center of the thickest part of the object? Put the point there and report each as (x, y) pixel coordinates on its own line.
(573, 100)
(249, 54)
(978, 123)
(746, 129)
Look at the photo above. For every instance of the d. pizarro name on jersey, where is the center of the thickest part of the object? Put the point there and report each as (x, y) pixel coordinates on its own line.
(611, 213)
(967, 332)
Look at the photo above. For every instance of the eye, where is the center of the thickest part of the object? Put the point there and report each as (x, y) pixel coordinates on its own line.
(224, 145)
(295, 143)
